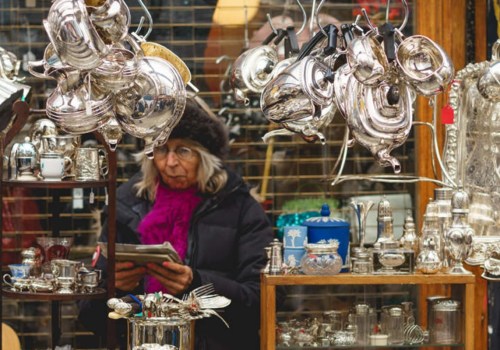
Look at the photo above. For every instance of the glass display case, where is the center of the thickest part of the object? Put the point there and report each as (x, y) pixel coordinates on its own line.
(321, 296)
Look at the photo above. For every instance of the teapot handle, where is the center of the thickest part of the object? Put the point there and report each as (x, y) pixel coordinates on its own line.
(311, 44)
(33, 65)
(270, 37)
(331, 47)
(388, 33)
(291, 43)
(347, 33)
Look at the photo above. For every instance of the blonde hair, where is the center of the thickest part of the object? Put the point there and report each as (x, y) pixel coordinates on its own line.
(211, 174)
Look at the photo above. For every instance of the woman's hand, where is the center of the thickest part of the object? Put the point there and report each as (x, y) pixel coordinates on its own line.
(175, 277)
(128, 275)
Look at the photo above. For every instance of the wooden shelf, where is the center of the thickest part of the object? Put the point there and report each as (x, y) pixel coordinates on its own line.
(350, 279)
(55, 184)
(98, 294)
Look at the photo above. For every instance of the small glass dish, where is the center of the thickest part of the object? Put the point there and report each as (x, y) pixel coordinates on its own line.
(321, 259)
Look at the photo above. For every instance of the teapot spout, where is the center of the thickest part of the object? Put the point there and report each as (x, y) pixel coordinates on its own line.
(240, 96)
(385, 159)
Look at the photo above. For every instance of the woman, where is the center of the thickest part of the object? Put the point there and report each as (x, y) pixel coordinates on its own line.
(185, 196)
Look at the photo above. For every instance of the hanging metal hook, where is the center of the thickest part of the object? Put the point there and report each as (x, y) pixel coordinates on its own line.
(387, 10)
(407, 14)
(141, 22)
(316, 18)
(367, 19)
(304, 19)
(405, 17)
(270, 21)
(246, 38)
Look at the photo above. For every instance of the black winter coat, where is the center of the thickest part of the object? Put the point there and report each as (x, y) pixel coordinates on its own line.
(227, 237)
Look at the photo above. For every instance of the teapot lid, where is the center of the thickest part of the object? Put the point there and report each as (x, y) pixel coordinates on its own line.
(325, 220)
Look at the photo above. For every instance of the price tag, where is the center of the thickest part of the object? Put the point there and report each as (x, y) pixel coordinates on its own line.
(447, 115)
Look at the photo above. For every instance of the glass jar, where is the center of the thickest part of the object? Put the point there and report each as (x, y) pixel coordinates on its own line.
(362, 262)
(445, 322)
(321, 259)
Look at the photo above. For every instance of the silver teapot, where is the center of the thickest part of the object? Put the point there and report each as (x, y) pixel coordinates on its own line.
(252, 70)
(378, 124)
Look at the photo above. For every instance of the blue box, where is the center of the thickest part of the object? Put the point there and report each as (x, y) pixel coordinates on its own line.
(292, 256)
(294, 236)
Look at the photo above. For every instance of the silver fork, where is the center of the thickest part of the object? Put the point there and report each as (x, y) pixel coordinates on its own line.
(203, 290)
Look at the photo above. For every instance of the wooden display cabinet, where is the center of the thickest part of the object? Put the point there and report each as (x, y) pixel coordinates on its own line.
(463, 285)
(21, 112)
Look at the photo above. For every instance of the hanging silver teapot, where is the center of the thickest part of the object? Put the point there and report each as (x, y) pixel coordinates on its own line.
(155, 103)
(252, 70)
(80, 110)
(378, 124)
(299, 91)
(367, 59)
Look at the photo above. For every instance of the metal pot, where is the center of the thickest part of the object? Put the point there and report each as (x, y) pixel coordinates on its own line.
(167, 332)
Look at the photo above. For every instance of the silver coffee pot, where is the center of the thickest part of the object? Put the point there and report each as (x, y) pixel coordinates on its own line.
(23, 161)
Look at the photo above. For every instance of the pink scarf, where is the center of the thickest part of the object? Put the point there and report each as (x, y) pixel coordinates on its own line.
(168, 220)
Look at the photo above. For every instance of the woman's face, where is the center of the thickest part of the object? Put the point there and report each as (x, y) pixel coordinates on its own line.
(177, 164)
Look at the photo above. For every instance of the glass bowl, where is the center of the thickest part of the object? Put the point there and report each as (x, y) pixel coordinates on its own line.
(55, 247)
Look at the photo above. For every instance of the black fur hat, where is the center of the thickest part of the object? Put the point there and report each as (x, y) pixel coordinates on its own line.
(199, 125)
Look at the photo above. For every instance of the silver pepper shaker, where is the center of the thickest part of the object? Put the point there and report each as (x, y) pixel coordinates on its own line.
(385, 219)
(276, 257)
